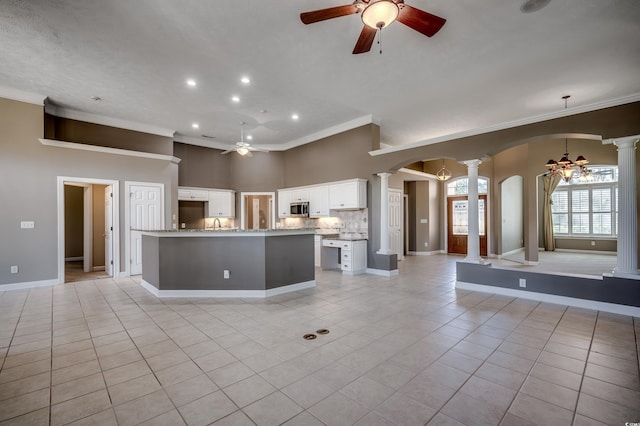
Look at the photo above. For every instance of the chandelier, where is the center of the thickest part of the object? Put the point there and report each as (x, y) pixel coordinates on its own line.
(443, 174)
(565, 167)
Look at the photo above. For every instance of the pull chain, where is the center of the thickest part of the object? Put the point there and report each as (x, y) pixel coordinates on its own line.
(380, 39)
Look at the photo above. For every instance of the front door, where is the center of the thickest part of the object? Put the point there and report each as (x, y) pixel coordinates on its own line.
(145, 214)
(458, 224)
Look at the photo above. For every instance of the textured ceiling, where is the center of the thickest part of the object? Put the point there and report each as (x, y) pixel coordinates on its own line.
(490, 64)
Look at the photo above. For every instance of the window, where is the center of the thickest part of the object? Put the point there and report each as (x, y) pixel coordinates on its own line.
(461, 186)
(587, 207)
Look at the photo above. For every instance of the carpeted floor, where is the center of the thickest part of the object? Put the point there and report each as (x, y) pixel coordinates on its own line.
(562, 262)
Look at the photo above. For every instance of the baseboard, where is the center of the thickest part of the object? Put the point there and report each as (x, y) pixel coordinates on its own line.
(98, 268)
(382, 272)
(552, 298)
(227, 293)
(425, 253)
(29, 284)
(509, 253)
(611, 253)
(73, 259)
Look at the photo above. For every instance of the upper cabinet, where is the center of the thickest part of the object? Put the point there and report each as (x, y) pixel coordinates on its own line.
(221, 204)
(319, 201)
(342, 195)
(193, 194)
(348, 195)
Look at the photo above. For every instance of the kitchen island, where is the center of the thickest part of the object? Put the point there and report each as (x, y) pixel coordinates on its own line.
(227, 263)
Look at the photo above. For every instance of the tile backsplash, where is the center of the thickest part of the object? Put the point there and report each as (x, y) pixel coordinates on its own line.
(341, 222)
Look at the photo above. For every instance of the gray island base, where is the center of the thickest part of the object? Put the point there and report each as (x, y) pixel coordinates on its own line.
(227, 263)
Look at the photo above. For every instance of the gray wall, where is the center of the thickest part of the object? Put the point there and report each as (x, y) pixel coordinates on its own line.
(29, 180)
(73, 221)
(512, 214)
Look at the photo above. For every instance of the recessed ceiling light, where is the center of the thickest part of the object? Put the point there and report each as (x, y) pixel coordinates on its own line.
(191, 82)
(249, 137)
(195, 125)
(295, 116)
(245, 80)
(235, 98)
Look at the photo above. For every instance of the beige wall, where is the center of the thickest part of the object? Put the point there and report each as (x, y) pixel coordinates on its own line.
(29, 180)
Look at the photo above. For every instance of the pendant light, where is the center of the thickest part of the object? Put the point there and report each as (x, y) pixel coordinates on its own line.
(565, 167)
(443, 174)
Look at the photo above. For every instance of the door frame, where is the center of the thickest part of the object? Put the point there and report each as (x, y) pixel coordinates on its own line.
(243, 195)
(87, 182)
(127, 217)
(445, 212)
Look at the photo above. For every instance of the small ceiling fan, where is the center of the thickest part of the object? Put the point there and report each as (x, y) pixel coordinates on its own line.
(376, 15)
(242, 147)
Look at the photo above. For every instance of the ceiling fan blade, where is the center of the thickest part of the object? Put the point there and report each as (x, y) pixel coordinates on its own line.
(330, 13)
(420, 20)
(228, 151)
(365, 40)
(253, 148)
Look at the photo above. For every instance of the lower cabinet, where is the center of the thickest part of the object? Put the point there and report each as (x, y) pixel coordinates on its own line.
(348, 256)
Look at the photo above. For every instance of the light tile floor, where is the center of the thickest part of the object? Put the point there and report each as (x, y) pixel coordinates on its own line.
(404, 350)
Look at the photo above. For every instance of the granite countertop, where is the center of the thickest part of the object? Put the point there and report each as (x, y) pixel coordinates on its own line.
(225, 232)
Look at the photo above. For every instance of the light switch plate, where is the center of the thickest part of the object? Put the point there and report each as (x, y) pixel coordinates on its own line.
(27, 224)
(424, 221)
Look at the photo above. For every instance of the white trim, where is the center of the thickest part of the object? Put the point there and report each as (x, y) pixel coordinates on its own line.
(418, 173)
(127, 217)
(382, 272)
(511, 124)
(87, 240)
(108, 150)
(272, 225)
(115, 185)
(227, 293)
(509, 253)
(108, 121)
(74, 259)
(22, 96)
(425, 253)
(29, 284)
(552, 298)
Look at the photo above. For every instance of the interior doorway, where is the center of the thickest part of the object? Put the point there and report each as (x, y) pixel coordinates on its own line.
(87, 229)
(458, 224)
(257, 210)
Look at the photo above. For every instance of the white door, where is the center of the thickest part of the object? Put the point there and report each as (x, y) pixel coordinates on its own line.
(108, 230)
(396, 244)
(145, 214)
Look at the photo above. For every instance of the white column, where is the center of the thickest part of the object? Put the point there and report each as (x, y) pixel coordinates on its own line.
(473, 220)
(384, 213)
(627, 261)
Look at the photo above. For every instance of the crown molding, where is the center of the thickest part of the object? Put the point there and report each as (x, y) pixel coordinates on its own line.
(22, 96)
(511, 124)
(108, 121)
(418, 173)
(107, 150)
(330, 131)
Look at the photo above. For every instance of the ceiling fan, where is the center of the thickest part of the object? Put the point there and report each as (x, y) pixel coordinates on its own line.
(242, 147)
(378, 14)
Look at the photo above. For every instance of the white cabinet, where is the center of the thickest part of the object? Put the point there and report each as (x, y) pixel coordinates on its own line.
(193, 194)
(351, 256)
(284, 203)
(299, 195)
(319, 201)
(317, 250)
(348, 195)
(221, 204)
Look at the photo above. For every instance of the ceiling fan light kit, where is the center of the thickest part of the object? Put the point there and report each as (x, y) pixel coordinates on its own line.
(380, 14)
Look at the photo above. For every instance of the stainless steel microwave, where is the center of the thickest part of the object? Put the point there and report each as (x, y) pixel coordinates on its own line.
(299, 209)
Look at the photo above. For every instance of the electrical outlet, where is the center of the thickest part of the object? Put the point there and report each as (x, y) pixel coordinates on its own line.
(226, 274)
(523, 283)
(14, 269)
(426, 244)
(593, 243)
